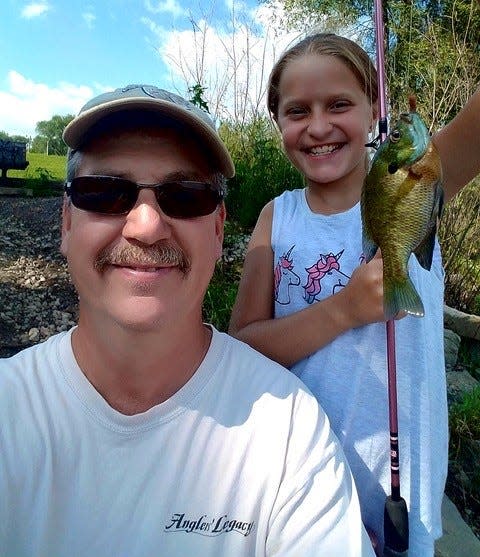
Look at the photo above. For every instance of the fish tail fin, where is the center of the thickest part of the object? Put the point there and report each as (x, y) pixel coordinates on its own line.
(400, 295)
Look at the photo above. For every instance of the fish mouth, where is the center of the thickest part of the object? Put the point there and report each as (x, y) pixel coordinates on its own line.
(326, 149)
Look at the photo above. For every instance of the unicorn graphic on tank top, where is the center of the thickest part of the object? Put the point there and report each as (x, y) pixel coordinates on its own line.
(284, 277)
(327, 264)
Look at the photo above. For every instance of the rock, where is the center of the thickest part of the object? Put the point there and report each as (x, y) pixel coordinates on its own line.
(33, 334)
(459, 383)
(457, 540)
(452, 344)
(461, 323)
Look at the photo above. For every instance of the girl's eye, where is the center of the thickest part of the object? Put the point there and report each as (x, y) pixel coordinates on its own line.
(296, 110)
(340, 105)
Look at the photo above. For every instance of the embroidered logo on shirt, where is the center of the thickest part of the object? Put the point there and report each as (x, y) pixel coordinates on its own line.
(206, 526)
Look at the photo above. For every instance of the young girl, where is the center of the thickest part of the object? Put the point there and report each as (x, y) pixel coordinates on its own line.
(308, 300)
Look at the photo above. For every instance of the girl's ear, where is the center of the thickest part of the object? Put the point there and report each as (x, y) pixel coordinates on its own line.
(375, 111)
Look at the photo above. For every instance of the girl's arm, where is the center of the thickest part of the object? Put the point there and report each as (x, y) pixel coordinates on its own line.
(458, 145)
(292, 338)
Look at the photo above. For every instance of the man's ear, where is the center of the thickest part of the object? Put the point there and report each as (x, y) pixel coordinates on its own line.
(219, 228)
(66, 224)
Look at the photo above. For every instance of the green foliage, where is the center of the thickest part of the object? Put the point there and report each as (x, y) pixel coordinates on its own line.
(196, 92)
(5, 135)
(49, 139)
(459, 236)
(41, 183)
(262, 170)
(44, 175)
(55, 165)
(464, 424)
(416, 33)
(221, 294)
(465, 421)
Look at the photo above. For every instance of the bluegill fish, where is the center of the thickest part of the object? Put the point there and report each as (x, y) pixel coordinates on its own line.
(401, 202)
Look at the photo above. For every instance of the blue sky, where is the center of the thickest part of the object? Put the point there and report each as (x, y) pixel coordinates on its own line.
(56, 54)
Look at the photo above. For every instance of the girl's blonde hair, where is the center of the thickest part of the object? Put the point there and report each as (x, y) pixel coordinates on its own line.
(325, 44)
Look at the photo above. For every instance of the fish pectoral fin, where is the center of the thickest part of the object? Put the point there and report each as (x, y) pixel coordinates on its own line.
(369, 247)
(424, 251)
(407, 185)
(439, 200)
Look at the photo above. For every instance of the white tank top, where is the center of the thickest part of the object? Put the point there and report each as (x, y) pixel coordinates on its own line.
(314, 256)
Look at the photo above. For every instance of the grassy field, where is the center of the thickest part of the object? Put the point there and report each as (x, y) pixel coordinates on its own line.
(41, 165)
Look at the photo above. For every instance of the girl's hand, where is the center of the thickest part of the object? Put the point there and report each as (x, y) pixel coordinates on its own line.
(364, 293)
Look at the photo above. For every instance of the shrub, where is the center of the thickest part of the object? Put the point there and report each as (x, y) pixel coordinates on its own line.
(464, 448)
(262, 169)
(459, 235)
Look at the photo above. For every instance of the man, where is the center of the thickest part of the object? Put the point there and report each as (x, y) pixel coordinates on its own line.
(143, 431)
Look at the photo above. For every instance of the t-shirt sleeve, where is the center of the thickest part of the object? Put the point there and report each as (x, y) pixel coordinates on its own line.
(317, 510)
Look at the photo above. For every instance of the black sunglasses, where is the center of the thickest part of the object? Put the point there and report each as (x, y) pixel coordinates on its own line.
(109, 195)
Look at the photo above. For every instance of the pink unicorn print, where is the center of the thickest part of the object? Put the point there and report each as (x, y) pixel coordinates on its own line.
(284, 277)
(326, 264)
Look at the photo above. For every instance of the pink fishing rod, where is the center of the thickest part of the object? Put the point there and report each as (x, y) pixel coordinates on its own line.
(395, 513)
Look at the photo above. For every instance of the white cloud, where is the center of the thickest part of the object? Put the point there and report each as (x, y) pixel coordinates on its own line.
(171, 7)
(232, 61)
(35, 9)
(26, 102)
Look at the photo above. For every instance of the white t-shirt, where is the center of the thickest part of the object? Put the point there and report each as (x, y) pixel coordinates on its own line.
(240, 462)
(314, 257)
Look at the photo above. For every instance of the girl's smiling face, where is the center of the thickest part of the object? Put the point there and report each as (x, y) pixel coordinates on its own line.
(324, 117)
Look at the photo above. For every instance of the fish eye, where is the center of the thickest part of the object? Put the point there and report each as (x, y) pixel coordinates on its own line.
(395, 136)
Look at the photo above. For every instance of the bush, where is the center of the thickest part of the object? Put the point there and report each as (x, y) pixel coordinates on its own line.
(262, 169)
(459, 235)
(42, 184)
(464, 450)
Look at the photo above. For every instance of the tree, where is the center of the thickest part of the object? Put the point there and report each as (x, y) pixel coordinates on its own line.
(417, 33)
(6, 136)
(229, 67)
(49, 139)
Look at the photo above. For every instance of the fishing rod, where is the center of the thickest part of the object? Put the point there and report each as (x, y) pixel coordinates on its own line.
(395, 522)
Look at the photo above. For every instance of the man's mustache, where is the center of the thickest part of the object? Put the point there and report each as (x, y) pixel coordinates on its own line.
(154, 256)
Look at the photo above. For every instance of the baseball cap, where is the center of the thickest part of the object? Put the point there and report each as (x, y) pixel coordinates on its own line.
(148, 98)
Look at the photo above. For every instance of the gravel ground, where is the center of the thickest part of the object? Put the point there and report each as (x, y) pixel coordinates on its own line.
(36, 295)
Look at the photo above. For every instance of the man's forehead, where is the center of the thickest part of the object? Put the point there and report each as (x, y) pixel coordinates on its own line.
(124, 153)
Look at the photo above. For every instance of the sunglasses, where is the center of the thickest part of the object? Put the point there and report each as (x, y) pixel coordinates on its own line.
(181, 199)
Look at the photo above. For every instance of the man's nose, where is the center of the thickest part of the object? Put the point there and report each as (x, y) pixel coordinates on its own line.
(146, 222)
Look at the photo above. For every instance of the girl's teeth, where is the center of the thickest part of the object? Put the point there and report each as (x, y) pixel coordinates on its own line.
(323, 150)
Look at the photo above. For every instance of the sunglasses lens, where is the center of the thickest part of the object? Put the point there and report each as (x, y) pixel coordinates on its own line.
(103, 194)
(116, 196)
(187, 200)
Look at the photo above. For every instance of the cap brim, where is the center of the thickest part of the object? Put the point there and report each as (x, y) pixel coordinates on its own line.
(77, 130)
